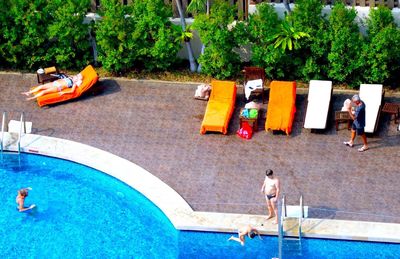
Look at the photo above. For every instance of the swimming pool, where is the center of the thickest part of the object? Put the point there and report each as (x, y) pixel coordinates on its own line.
(84, 213)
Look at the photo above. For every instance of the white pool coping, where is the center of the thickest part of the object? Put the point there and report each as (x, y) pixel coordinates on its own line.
(178, 210)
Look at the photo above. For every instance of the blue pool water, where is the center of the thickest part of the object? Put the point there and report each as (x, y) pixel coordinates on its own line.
(83, 213)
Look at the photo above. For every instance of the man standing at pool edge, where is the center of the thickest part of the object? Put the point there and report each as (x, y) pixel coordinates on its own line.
(271, 190)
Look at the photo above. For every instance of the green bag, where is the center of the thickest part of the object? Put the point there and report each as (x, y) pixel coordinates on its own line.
(253, 113)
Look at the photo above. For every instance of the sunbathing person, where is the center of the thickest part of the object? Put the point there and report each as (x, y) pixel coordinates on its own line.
(56, 86)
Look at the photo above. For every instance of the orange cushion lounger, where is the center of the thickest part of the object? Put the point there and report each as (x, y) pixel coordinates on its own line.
(281, 106)
(219, 107)
(89, 78)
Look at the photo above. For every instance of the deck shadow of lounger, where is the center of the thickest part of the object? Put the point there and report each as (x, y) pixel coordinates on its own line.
(322, 212)
(102, 87)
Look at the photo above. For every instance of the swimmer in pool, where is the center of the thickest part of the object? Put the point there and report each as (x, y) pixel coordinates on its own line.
(243, 232)
(22, 194)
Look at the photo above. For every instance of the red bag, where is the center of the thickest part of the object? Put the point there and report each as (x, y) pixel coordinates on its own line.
(245, 131)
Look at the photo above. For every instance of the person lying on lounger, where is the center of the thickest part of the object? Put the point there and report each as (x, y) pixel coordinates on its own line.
(56, 86)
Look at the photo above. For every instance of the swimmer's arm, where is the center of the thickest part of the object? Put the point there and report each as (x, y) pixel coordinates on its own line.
(258, 233)
(21, 207)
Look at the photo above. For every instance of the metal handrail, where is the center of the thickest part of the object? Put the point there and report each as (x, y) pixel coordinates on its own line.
(284, 208)
(2, 130)
(301, 215)
(280, 226)
(22, 125)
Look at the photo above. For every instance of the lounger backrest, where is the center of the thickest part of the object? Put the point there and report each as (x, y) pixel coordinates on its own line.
(89, 77)
(371, 95)
(319, 98)
(222, 90)
(320, 90)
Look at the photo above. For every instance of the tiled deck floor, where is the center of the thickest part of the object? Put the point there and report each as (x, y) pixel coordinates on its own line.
(156, 125)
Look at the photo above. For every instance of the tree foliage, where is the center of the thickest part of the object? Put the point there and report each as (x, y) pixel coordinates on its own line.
(40, 33)
(155, 38)
(288, 38)
(23, 32)
(380, 55)
(305, 45)
(263, 25)
(113, 35)
(217, 33)
(307, 17)
(138, 35)
(345, 45)
(68, 45)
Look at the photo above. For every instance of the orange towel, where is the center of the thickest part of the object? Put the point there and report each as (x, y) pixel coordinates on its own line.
(89, 78)
(281, 106)
(219, 107)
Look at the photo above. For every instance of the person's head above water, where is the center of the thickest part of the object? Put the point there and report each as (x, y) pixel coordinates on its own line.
(252, 234)
(23, 192)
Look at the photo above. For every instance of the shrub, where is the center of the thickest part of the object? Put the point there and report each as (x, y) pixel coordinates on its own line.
(307, 17)
(378, 19)
(155, 38)
(5, 24)
(381, 57)
(345, 45)
(113, 35)
(262, 26)
(24, 32)
(69, 40)
(138, 35)
(217, 33)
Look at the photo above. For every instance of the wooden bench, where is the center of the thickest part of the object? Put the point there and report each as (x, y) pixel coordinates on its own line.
(342, 117)
(253, 122)
(393, 109)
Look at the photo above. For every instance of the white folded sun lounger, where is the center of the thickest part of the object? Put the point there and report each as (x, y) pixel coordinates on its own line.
(319, 99)
(371, 95)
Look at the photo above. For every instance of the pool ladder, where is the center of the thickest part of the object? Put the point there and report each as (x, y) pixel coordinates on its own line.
(22, 129)
(290, 245)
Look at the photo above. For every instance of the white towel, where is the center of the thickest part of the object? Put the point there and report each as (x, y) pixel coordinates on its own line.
(251, 86)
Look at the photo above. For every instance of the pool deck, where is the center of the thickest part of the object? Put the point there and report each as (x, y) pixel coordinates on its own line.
(178, 210)
(156, 126)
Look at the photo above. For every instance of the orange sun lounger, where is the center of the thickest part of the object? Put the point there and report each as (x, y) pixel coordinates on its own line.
(281, 106)
(89, 78)
(219, 107)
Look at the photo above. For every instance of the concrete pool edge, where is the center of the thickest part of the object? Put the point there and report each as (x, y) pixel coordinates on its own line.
(179, 211)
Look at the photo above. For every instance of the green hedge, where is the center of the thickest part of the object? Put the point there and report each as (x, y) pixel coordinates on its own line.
(140, 36)
(137, 35)
(335, 50)
(219, 58)
(41, 33)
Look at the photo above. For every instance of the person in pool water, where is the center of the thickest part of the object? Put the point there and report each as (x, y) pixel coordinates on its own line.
(242, 232)
(22, 194)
